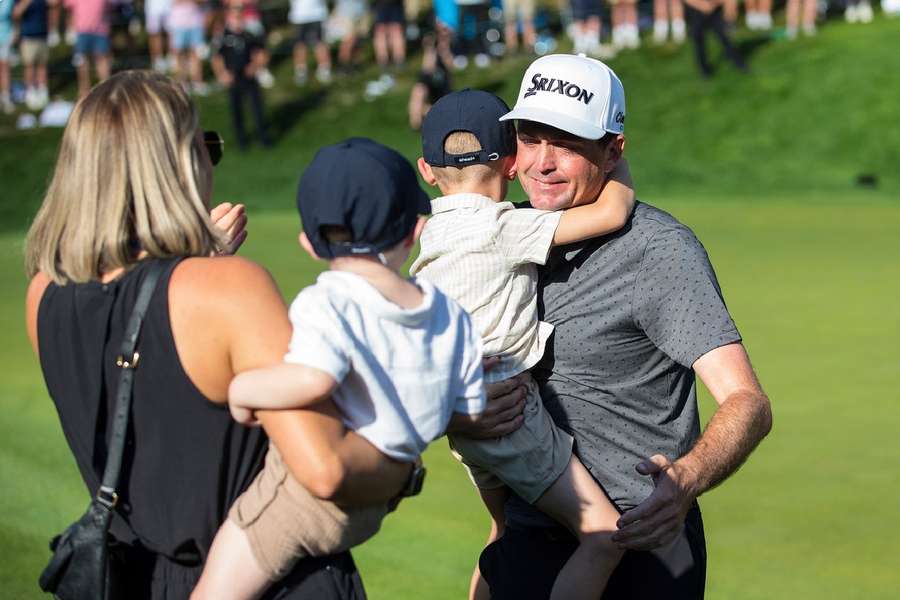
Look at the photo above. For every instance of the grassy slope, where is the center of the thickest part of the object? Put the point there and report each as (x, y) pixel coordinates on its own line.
(761, 167)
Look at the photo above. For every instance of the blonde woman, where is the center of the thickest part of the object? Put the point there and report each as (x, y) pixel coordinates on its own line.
(132, 186)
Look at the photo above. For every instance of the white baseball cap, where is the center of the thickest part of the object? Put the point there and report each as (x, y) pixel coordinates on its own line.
(577, 94)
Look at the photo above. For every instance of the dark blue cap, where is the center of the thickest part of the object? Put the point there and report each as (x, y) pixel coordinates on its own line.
(474, 111)
(364, 187)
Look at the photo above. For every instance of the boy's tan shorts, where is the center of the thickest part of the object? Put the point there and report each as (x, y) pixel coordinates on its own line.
(513, 8)
(528, 460)
(285, 523)
(33, 51)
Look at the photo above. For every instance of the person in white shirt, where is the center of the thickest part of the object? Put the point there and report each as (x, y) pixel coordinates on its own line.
(483, 252)
(308, 16)
(397, 357)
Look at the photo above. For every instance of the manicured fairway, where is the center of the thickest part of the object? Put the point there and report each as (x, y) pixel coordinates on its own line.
(813, 287)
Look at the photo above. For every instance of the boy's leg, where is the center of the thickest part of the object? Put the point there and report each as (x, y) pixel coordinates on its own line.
(494, 500)
(235, 101)
(256, 106)
(578, 502)
(229, 555)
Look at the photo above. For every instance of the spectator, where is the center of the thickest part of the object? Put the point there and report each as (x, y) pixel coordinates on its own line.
(587, 29)
(253, 24)
(800, 14)
(90, 21)
(858, 11)
(308, 16)
(237, 56)
(156, 14)
(344, 25)
(624, 17)
(53, 14)
(516, 12)
(664, 13)
(32, 17)
(6, 39)
(389, 39)
(474, 17)
(759, 15)
(185, 24)
(706, 15)
(434, 80)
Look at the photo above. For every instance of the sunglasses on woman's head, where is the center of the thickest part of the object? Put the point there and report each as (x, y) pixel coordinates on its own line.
(215, 146)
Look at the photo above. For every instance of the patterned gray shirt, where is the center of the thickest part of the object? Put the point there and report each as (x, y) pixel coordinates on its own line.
(632, 311)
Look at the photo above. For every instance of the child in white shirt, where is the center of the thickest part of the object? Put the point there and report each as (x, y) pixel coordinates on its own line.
(396, 355)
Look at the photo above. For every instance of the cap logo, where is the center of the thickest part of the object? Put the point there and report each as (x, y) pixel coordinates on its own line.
(559, 86)
(620, 118)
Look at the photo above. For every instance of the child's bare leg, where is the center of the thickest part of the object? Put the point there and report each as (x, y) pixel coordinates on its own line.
(576, 501)
(231, 571)
(494, 500)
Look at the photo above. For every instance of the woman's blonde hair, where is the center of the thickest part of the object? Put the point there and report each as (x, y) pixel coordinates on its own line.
(127, 179)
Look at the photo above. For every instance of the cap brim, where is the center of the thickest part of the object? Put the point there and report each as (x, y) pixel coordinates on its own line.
(552, 118)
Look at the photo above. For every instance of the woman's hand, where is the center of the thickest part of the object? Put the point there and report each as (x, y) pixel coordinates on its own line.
(232, 220)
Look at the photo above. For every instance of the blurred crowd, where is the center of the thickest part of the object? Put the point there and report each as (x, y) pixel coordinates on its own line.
(229, 43)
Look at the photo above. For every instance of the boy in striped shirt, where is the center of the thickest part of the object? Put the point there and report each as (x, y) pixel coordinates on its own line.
(483, 252)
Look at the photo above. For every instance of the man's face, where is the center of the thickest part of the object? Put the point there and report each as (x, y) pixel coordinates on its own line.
(559, 170)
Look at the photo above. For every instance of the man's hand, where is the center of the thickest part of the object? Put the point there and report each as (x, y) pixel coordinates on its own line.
(502, 414)
(232, 220)
(658, 520)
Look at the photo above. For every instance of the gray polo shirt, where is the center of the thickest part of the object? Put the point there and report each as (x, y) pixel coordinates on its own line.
(632, 311)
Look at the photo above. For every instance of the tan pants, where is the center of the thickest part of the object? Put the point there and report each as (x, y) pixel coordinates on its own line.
(285, 523)
(528, 460)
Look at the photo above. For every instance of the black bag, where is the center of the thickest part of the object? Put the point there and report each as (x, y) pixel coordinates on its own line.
(80, 567)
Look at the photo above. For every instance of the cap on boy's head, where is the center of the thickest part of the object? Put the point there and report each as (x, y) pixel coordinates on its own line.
(476, 112)
(579, 95)
(363, 187)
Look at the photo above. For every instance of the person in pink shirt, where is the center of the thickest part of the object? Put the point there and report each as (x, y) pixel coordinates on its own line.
(90, 19)
(185, 25)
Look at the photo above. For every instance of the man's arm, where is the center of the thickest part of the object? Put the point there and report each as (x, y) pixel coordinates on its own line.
(605, 215)
(741, 421)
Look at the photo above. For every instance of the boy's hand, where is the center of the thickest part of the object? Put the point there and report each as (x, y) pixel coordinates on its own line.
(244, 416)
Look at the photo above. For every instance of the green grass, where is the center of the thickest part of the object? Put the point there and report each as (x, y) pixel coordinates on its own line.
(762, 168)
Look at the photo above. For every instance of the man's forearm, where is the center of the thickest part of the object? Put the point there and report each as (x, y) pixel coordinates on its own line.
(736, 428)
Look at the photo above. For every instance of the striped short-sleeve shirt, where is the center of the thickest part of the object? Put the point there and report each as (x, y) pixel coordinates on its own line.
(483, 254)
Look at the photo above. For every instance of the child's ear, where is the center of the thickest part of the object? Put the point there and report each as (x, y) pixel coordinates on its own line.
(307, 245)
(413, 237)
(426, 172)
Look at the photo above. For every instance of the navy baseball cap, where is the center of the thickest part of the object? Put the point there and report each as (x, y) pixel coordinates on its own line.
(476, 112)
(364, 187)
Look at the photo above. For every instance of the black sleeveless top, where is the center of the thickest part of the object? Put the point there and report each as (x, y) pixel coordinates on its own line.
(185, 460)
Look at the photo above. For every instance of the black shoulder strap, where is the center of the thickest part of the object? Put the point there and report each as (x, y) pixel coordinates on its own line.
(127, 361)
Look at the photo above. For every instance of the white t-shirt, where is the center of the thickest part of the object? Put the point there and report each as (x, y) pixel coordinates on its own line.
(307, 11)
(402, 373)
(483, 254)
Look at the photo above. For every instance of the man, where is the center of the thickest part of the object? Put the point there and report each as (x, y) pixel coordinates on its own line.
(636, 314)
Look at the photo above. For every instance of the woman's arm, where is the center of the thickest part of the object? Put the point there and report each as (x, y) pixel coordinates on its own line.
(605, 215)
(33, 296)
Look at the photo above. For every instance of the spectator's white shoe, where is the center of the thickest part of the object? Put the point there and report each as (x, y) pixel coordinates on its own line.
(790, 33)
(6, 105)
(482, 61)
(660, 32)
(160, 65)
(53, 39)
(387, 81)
(864, 12)
(265, 78)
(851, 15)
(43, 97)
(633, 39)
(200, 89)
(679, 30)
(603, 51)
(32, 99)
(323, 75)
(809, 30)
(71, 36)
(202, 51)
(891, 7)
(765, 21)
(300, 76)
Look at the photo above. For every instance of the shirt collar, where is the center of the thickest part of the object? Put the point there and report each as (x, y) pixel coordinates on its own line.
(454, 201)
